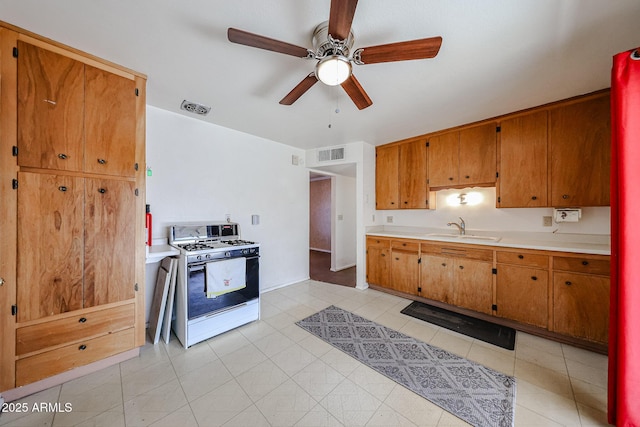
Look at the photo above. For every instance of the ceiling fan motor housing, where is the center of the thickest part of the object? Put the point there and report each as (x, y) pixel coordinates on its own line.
(324, 44)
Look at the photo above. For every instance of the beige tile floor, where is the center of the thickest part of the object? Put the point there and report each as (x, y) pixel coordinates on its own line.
(273, 373)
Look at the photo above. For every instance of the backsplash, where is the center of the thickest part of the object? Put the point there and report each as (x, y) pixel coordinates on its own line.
(484, 216)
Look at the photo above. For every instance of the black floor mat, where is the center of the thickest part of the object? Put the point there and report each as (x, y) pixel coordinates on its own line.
(501, 336)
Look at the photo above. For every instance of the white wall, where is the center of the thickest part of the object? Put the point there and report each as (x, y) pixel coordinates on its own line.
(485, 216)
(345, 221)
(201, 172)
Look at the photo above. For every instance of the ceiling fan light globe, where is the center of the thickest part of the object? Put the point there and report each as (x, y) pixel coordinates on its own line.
(333, 70)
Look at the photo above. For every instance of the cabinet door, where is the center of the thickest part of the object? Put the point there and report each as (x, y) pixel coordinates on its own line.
(414, 193)
(522, 181)
(378, 266)
(405, 271)
(50, 243)
(387, 159)
(50, 109)
(580, 143)
(436, 278)
(443, 160)
(522, 294)
(478, 155)
(581, 306)
(110, 120)
(473, 285)
(109, 274)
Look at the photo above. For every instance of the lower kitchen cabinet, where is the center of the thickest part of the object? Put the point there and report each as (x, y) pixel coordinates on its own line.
(405, 267)
(378, 256)
(581, 306)
(522, 294)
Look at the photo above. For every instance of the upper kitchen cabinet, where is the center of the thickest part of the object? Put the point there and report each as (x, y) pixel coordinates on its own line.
(464, 158)
(72, 116)
(580, 145)
(50, 109)
(401, 176)
(522, 168)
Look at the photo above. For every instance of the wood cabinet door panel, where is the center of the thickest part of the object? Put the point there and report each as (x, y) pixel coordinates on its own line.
(378, 266)
(443, 159)
(473, 282)
(50, 109)
(405, 271)
(109, 241)
(478, 155)
(522, 294)
(581, 306)
(110, 109)
(436, 278)
(387, 159)
(580, 141)
(523, 161)
(414, 192)
(50, 242)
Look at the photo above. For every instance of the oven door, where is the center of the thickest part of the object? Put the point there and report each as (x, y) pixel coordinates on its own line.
(200, 305)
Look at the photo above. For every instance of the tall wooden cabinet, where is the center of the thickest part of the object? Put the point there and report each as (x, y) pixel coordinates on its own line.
(72, 145)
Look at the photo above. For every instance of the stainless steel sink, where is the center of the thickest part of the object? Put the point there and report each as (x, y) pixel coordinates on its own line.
(485, 238)
(467, 237)
(449, 235)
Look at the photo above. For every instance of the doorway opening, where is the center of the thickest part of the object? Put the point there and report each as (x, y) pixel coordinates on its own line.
(332, 234)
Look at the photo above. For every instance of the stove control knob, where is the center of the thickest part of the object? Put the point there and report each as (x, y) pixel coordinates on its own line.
(245, 251)
(199, 257)
(227, 254)
(208, 256)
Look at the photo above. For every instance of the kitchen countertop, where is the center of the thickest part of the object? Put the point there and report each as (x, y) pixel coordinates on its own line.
(596, 244)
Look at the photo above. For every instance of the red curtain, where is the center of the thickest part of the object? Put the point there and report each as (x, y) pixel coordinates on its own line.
(624, 327)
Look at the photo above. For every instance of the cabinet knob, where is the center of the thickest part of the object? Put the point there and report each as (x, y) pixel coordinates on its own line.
(461, 267)
(467, 176)
(82, 347)
(397, 259)
(450, 178)
(102, 161)
(82, 319)
(62, 188)
(534, 197)
(62, 156)
(382, 255)
(102, 190)
(393, 203)
(521, 256)
(585, 262)
(565, 196)
(406, 203)
(444, 265)
(534, 278)
(568, 283)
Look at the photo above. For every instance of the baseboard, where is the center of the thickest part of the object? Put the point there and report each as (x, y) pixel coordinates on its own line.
(320, 250)
(343, 267)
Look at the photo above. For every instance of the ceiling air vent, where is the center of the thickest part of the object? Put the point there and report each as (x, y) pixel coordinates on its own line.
(330, 154)
(195, 108)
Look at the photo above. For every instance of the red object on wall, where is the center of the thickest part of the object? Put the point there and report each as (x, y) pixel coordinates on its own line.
(147, 225)
(624, 327)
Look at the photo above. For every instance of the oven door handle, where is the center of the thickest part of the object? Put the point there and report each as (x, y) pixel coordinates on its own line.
(194, 268)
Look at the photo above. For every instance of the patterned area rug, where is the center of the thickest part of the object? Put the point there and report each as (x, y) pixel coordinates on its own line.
(468, 390)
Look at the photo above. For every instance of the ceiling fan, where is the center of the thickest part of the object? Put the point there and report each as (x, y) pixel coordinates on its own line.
(332, 42)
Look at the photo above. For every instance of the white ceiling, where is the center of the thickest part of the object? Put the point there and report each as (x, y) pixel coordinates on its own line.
(497, 56)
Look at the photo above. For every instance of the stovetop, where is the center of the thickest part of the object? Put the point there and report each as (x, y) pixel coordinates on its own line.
(210, 237)
(211, 245)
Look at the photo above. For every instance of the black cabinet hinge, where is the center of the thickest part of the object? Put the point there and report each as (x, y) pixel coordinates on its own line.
(419, 260)
(419, 289)
(14, 184)
(494, 307)
(136, 167)
(15, 52)
(136, 192)
(494, 271)
(498, 128)
(14, 151)
(498, 199)
(427, 143)
(137, 92)
(14, 310)
(135, 287)
(497, 174)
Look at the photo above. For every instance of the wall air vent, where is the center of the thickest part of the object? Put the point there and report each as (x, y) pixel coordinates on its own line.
(330, 154)
(195, 108)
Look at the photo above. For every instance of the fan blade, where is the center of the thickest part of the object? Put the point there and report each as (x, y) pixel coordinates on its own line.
(401, 51)
(262, 42)
(340, 18)
(356, 93)
(299, 90)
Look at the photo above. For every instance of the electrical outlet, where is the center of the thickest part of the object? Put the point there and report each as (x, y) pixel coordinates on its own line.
(547, 221)
(390, 219)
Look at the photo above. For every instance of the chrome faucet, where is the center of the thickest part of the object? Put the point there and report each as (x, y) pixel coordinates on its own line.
(461, 226)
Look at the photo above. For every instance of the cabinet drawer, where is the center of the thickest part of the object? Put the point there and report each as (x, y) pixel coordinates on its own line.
(467, 252)
(522, 258)
(582, 265)
(405, 245)
(73, 328)
(43, 365)
(374, 242)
